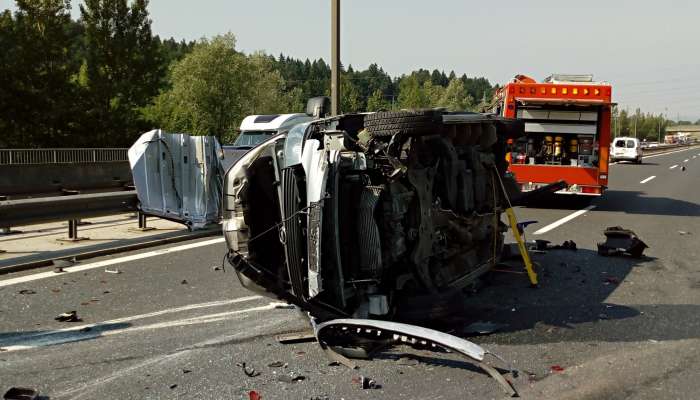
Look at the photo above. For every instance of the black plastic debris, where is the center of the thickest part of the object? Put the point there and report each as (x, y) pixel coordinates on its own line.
(184, 282)
(250, 372)
(20, 393)
(683, 233)
(70, 316)
(26, 291)
(291, 378)
(620, 241)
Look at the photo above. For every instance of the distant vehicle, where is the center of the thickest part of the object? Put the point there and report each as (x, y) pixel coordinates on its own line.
(626, 149)
(567, 131)
(256, 129)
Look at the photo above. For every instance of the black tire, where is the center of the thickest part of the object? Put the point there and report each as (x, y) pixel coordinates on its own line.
(409, 123)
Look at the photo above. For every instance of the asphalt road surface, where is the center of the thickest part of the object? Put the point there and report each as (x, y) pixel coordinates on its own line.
(171, 326)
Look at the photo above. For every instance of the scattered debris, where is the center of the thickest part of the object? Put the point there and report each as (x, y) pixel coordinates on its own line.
(253, 395)
(113, 271)
(682, 167)
(620, 241)
(277, 364)
(365, 382)
(684, 233)
(291, 378)
(249, 372)
(70, 316)
(173, 386)
(186, 371)
(556, 369)
(56, 290)
(296, 338)
(20, 393)
(611, 280)
(184, 282)
(26, 291)
(483, 328)
(216, 268)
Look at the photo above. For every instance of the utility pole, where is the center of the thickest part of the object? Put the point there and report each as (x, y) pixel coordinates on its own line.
(335, 57)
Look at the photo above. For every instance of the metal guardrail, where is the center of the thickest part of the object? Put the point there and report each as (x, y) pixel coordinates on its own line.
(65, 208)
(61, 156)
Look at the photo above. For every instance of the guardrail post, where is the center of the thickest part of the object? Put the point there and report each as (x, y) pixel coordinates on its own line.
(72, 232)
(143, 226)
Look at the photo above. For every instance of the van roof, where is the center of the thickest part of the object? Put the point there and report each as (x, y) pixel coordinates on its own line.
(269, 122)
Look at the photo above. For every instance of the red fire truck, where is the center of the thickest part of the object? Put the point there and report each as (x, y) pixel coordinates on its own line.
(567, 126)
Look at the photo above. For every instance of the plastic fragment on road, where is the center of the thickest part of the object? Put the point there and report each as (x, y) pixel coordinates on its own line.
(70, 316)
(250, 372)
(253, 395)
(556, 369)
(291, 378)
(620, 241)
(365, 382)
(277, 364)
(21, 393)
(113, 271)
(483, 328)
(26, 291)
(683, 233)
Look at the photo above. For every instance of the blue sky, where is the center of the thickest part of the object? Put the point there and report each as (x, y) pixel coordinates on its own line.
(648, 50)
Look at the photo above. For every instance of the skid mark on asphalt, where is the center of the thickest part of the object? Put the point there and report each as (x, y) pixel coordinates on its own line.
(111, 261)
(673, 166)
(108, 328)
(564, 220)
(648, 179)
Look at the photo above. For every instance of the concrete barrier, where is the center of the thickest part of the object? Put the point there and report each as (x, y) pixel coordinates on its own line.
(21, 180)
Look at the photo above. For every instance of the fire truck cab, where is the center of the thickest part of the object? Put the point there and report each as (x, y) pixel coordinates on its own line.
(567, 126)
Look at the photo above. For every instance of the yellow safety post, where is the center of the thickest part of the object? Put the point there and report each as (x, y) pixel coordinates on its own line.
(521, 246)
(531, 274)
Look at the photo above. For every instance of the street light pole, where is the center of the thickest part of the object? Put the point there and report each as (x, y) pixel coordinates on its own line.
(335, 57)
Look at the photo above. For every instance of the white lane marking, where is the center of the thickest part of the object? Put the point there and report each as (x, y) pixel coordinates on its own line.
(50, 338)
(673, 166)
(105, 263)
(686, 160)
(563, 220)
(648, 179)
(139, 316)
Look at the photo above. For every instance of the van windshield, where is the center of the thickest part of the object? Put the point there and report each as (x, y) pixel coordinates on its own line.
(252, 138)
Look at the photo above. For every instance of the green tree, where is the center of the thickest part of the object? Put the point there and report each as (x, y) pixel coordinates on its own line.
(412, 93)
(214, 87)
(455, 97)
(122, 69)
(37, 98)
(377, 102)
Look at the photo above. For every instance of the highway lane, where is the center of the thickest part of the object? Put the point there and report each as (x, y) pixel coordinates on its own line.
(147, 334)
